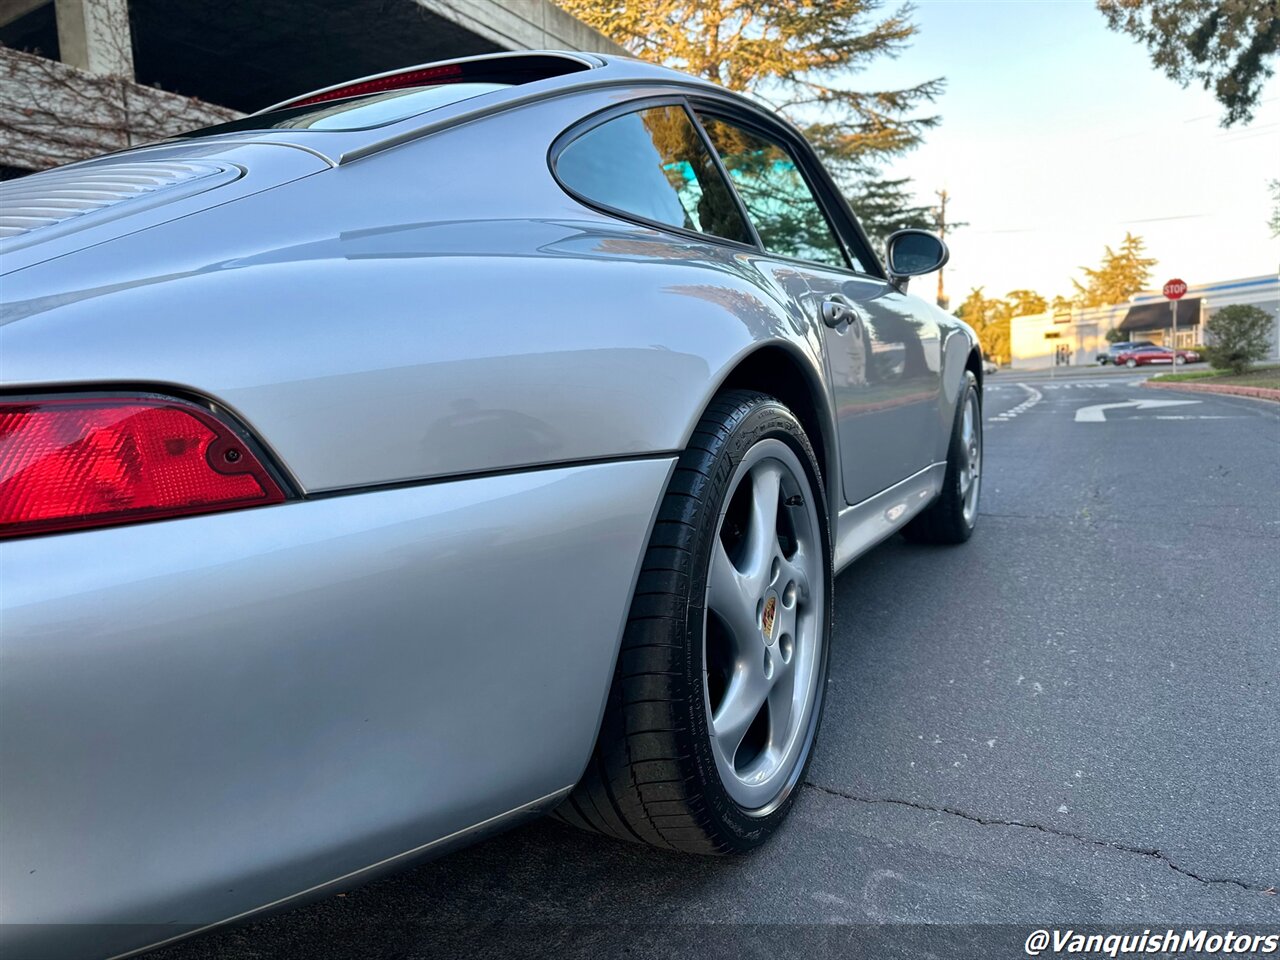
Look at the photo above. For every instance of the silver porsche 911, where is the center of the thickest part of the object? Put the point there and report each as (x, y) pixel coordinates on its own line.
(430, 452)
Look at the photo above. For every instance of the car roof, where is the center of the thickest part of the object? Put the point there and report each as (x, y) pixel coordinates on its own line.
(602, 68)
(582, 72)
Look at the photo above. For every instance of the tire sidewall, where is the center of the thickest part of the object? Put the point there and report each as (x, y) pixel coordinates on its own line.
(955, 451)
(767, 419)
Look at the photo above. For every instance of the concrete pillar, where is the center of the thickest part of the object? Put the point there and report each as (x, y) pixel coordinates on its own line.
(94, 36)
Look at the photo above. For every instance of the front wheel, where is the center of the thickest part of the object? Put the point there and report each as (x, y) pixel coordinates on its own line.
(1179, 360)
(1131, 363)
(953, 515)
(718, 690)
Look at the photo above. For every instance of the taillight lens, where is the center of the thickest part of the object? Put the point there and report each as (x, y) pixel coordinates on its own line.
(86, 462)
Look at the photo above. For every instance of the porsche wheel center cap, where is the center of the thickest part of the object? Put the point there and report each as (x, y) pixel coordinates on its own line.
(769, 617)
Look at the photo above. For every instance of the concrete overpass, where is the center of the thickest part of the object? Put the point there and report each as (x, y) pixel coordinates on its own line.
(81, 77)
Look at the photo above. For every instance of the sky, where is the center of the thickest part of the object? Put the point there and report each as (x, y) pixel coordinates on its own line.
(1058, 135)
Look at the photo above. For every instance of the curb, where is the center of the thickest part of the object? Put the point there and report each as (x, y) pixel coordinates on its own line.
(1190, 386)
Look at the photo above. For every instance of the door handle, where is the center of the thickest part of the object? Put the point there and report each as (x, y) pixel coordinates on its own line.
(836, 310)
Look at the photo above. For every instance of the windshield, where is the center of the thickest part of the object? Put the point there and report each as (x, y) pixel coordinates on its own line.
(357, 113)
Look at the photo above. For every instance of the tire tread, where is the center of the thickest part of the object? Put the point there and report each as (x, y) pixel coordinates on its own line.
(636, 786)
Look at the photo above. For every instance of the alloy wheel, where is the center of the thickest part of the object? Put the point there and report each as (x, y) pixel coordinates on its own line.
(971, 456)
(763, 629)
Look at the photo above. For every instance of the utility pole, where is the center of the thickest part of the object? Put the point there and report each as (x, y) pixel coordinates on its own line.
(940, 223)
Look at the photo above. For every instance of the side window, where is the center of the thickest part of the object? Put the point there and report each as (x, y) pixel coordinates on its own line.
(784, 210)
(653, 164)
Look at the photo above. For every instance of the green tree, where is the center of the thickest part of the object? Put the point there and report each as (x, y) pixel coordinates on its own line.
(1274, 222)
(797, 56)
(1240, 334)
(1118, 277)
(1026, 303)
(990, 318)
(885, 206)
(1225, 45)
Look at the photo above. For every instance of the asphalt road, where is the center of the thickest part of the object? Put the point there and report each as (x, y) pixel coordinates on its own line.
(1073, 719)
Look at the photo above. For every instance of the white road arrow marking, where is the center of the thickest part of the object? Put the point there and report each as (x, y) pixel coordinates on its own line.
(1097, 413)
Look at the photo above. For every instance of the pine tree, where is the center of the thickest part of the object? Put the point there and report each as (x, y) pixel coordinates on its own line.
(1225, 45)
(885, 206)
(1026, 303)
(1118, 277)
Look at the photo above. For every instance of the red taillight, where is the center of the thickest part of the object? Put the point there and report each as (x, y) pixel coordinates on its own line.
(397, 81)
(86, 462)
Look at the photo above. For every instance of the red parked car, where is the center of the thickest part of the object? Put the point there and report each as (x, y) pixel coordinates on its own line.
(1153, 354)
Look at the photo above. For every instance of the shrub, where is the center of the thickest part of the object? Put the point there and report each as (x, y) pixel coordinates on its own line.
(1116, 335)
(1241, 334)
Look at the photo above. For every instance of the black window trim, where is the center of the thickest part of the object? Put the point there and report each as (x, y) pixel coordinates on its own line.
(612, 112)
(819, 181)
(721, 169)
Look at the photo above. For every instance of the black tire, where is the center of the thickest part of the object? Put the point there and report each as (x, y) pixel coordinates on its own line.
(652, 777)
(943, 521)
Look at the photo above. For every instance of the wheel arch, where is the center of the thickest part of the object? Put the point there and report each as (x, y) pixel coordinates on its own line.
(974, 364)
(780, 371)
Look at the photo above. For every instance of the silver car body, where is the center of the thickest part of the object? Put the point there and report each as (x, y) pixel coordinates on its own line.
(477, 386)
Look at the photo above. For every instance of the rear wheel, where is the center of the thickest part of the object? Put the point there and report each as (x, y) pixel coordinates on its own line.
(718, 691)
(1131, 363)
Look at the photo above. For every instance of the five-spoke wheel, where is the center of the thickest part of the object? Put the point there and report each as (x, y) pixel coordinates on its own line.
(762, 635)
(718, 692)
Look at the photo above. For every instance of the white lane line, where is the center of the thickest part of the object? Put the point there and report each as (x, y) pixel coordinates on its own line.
(1086, 385)
(1034, 396)
(1098, 412)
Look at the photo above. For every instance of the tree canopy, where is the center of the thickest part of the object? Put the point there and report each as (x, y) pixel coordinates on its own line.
(1026, 303)
(1240, 334)
(991, 318)
(1225, 45)
(885, 206)
(1120, 275)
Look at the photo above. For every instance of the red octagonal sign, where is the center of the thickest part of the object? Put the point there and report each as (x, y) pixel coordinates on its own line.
(1175, 289)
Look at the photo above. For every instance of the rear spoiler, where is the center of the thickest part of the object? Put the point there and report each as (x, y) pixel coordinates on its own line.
(513, 68)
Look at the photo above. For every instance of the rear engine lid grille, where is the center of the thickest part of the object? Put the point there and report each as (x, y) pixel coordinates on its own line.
(44, 204)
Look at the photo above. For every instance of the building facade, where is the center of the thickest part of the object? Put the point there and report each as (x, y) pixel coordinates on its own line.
(84, 77)
(1080, 336)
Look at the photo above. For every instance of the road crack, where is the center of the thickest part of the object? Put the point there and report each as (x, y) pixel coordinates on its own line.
(1151, 852)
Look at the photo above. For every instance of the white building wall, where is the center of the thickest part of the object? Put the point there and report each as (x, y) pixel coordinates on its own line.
(1034, 340)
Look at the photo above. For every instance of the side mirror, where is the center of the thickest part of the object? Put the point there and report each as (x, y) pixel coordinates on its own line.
(914, 252)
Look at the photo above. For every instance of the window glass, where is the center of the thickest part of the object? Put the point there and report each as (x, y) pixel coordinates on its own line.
(653, 163)
(778, 199)
(357, 113)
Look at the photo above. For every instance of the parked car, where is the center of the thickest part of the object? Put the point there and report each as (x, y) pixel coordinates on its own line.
(1142, 355)
(427, 453)
(1115, 349)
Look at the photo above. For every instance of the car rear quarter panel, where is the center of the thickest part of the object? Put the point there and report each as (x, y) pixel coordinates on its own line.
(204, 715)
(441, 308)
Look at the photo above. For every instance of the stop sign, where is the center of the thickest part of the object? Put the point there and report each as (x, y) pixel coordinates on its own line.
(1175, 289)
